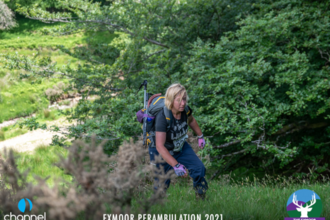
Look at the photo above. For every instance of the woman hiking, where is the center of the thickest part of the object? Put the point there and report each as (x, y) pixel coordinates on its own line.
(171, 142)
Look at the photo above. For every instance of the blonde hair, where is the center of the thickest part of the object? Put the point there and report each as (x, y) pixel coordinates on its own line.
(172, 91)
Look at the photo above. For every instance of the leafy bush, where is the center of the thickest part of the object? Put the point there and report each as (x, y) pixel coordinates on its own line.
(64, 102)
(54, 93)
(59, 91)
(265, 89)
(6, 17)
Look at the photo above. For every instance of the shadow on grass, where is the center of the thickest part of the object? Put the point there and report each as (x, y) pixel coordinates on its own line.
(96, 50)
(25, 27)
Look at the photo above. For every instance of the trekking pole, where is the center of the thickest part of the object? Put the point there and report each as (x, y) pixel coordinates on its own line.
(145, 83)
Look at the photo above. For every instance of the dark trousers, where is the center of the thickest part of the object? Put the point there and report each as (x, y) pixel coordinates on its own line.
(189, 159)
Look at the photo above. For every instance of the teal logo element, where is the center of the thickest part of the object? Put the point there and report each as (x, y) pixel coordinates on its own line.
(22, 205)
(304, 203)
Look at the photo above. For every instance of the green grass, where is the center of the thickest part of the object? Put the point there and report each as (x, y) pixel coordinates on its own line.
(247, 199)
(30, 35)
(255, 200)
(20, 98)
(28, 38)
(41, 163)
(47, 115)
(27, 27)
(56, 55)
(33, 42)
(64, 102)
(24, 98)
(11, 131)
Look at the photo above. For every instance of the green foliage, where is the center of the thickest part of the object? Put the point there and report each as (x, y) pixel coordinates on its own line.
(11, 131)
(25, 27)
(31, 124)
(2, 136)
(13, 4)
(29, 33)
(55, 92)
(256, 74)
(46, 113)
(64, 102)
(17, 101)
(42, 163)
(161, 34)
(58, 141)
(266, 86)
(7, 20)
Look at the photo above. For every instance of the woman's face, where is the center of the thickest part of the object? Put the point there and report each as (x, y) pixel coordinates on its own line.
(179, 105)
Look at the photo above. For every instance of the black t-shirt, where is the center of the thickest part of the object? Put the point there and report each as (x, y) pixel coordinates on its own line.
(177, 133)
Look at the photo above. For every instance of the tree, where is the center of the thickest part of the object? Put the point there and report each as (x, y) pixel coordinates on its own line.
(266, 89)
(160, 35)
(259, 86)
(6, 17)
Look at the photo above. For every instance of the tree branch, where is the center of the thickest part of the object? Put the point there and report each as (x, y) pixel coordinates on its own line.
(237, 152)
(157, 52)
(228, 144)
(323, 57)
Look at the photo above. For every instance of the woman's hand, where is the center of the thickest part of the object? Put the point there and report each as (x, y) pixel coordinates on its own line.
(180, 169)
(194, 126)
(201, 141)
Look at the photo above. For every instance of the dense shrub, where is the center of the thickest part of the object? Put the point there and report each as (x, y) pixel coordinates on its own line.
(265, 88)
(56, 91)
(101, 184)
(6, 17)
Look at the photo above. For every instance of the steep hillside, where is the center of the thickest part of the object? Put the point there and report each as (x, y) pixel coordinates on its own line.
(21, 94)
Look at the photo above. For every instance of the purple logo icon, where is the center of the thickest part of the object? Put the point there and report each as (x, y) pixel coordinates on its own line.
(304, 204)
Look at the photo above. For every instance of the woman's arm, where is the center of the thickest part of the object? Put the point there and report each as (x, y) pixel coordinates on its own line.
(194, 126)
(160, 141)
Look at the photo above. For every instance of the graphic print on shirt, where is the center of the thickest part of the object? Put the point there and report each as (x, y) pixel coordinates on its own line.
(180, 132)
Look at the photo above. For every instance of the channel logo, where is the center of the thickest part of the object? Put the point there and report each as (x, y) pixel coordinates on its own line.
(22, 206)
(304, 204)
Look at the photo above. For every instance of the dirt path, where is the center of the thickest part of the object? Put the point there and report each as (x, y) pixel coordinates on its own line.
(28, 141)
(33, 139)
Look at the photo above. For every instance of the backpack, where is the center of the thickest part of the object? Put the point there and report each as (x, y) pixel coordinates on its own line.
(156, 103)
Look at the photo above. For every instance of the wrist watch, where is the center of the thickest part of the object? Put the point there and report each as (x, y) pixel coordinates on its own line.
(200, 136)
(177, 166)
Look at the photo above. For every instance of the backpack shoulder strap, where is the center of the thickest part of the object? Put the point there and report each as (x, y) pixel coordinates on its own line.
(152, 98)
(186, 109)
(168, 116)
